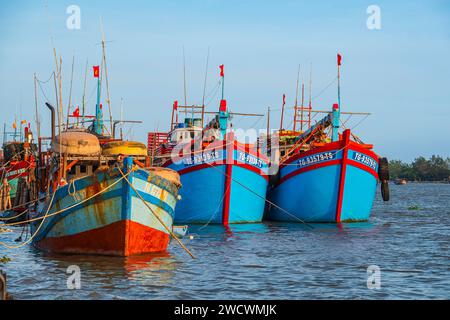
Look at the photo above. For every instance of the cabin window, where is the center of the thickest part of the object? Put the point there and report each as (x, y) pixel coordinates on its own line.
(83, 169)
(192, 135)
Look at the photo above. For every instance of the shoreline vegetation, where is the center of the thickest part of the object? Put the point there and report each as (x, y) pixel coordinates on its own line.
(434, 169)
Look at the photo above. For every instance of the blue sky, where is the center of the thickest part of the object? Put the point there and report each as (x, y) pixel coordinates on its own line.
(401, 73)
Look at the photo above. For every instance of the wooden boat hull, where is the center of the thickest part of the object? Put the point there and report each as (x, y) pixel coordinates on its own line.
(114, 223)
(14, 172)
(333, 183)
(223, 185)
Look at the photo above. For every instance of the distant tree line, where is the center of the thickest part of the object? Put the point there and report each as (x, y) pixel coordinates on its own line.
(435, 168)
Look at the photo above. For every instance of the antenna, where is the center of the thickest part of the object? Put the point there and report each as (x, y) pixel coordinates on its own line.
(184, 81)
(282, 111)
(296, 87)
(121, 118)
(61, 111)
(38, 124)
(84, 93)
(70, 92)
(108, 99)
(204, 86)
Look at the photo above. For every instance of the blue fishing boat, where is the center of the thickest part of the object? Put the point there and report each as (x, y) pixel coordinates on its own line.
(322, 178)
(224, 181)
(101, 196)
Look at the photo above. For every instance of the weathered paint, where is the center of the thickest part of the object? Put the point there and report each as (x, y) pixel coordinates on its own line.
(326, 184)
(113, 223)
(14, 171)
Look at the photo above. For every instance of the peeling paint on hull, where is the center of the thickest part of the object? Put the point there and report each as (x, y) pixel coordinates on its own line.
(116, 222)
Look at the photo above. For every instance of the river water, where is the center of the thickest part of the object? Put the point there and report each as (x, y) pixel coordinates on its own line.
(407, 238)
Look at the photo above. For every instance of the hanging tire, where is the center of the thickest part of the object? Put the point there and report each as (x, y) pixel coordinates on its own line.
(385, 190)
(383, 169)
(383, 176)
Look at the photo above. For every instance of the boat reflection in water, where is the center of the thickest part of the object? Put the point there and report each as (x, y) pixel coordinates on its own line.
(156, 270)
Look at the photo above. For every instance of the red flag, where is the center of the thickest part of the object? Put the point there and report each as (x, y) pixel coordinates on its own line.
(175, 105)
(223, 105)
(96, 71)
(284, 99)
(76, 113)
(339, 59)
(221, 70)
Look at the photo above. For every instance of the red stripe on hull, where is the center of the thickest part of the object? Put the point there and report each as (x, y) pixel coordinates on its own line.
(309, 168)
(122, 238)
(363, 167)
(346, 141)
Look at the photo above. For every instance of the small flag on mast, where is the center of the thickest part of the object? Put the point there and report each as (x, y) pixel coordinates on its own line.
(14, 125)
(339, 59)
(175, 105)
(76, 113)
(96, 71)
(222, 74)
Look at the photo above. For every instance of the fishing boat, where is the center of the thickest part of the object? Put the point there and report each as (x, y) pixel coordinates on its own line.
(224, 181)
(324, 177)
(102, 197)
(17, 172)
(400, 182)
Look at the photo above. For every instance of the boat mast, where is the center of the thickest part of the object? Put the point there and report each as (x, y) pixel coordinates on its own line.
(184, 82)
(337, 107)
(296, 98)
(282, 111)
(98, 122)
(223, 114)
(204, 88)
(70, 92)
(38, 122)
(84, 94)
(108, 100)
(310, 97)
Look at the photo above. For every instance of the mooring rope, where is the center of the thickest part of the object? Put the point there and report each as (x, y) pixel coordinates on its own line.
(66, 209)
(263, 198)
(16, 216)
(37, 230)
